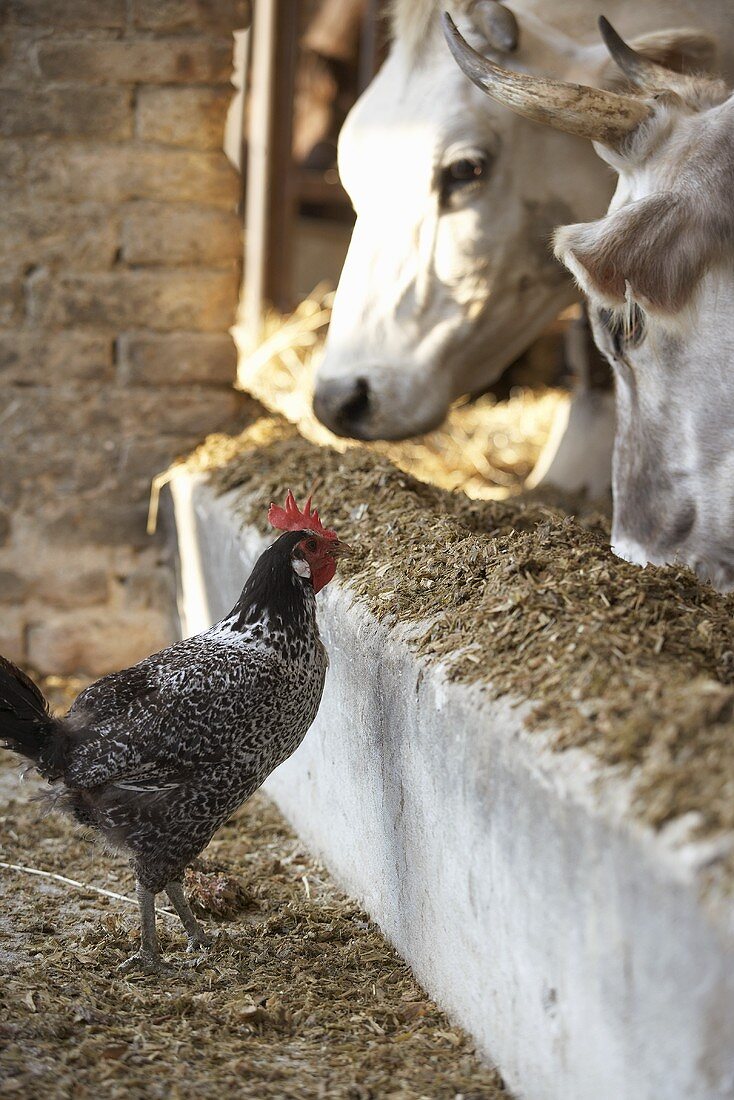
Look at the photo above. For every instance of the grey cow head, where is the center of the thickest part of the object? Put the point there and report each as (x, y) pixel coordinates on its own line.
(659, 273)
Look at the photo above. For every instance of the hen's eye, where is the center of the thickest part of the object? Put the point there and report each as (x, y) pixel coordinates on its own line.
(461, 175)
(311, 545)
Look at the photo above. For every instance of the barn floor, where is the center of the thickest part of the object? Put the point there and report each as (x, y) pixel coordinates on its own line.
(301, 996)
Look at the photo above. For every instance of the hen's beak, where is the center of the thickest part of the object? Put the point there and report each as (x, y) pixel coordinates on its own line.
(340, 549)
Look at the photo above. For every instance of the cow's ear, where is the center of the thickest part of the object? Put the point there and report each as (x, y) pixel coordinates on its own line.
(651, 251)
(590, 253)
(497, 25)
(683, 50)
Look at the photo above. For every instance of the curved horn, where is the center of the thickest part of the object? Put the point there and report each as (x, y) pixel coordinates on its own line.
(497, 24)
(587, 112)
(644, 73)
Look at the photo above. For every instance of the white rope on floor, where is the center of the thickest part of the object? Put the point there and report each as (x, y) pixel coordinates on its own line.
(80, 885)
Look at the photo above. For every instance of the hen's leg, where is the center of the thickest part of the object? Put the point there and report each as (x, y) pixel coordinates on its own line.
(197, 936)
(148, 958)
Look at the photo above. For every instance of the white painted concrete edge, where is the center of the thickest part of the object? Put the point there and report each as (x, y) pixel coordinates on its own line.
(575, 944)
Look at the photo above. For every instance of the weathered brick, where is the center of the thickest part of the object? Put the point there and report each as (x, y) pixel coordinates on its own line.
(69, 588)
(94, 641)
(149, 588)
(183, 15)
(73, 172)
(12, 635)
(51, 358)
(84, 437)
(191, 117)
(67, 112)
(13, 166)
(48, 479)
(197, 410)
(177, 358)
(17, 58)
(13, 488)
(59, 476)
(11, 299)
(100, 522)
(155, 233)
(129, 435)
(84, 235)
(61, 470)
(161, 300)
(70, 411)
(69, 13)
(138, 61)
(143, 458)
(10, 492)
(4, 526)
(13, 587)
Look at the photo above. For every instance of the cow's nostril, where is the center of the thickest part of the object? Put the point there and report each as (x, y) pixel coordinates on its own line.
(343, 404)
(357, 406)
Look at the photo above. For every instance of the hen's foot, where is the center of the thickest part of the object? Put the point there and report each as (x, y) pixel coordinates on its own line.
(145, 962)
(200, 942)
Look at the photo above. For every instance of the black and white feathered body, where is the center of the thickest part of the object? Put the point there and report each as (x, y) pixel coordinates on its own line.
(158, 756)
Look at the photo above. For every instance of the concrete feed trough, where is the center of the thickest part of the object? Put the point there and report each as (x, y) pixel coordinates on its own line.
(556, 869)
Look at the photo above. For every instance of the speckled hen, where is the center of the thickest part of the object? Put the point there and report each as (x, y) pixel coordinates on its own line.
(158, 756)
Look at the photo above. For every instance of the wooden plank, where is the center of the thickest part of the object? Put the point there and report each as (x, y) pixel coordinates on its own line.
(372, 44)
(270, 197)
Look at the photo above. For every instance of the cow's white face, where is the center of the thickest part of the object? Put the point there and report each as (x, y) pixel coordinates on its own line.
(449, 274)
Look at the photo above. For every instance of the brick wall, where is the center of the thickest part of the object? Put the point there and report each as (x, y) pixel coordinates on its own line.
(120, 250)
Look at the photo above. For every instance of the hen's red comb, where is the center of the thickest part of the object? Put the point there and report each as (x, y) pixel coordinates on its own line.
(291, 518)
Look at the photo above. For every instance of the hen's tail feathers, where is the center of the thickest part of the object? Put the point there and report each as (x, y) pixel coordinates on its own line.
(26, 723)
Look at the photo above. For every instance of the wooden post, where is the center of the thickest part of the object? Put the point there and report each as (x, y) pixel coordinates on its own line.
(270, 198)
(372, 48)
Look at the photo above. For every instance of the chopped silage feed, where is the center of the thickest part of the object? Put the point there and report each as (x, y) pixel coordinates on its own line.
(635, 664)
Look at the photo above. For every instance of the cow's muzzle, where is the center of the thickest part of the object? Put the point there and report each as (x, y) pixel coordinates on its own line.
(343, 405)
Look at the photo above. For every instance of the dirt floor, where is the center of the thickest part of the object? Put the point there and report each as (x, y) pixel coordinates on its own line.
(300, 997)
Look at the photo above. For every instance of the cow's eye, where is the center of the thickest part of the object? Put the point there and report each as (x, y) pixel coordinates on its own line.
(462, 174)
(627, 330)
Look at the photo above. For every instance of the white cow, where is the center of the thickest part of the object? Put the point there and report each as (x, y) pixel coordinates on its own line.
(449, 274)
(659, 273)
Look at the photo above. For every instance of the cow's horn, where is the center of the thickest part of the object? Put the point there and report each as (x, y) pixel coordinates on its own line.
(497, 24)
(644, 73)
(587, 112)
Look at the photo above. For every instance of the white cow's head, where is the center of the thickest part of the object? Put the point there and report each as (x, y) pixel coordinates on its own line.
(449, 274)
(659, 272)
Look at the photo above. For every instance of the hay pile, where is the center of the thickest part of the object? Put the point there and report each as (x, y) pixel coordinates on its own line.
(300, 998)
(637, 665)
(485, 448)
